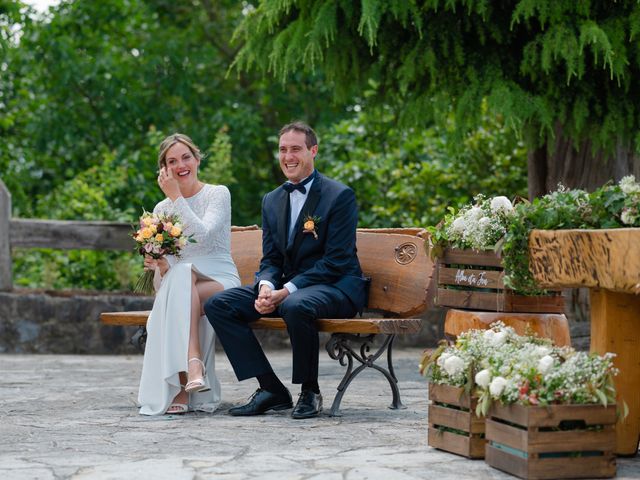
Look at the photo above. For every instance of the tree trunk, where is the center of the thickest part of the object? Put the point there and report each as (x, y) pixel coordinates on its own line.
(577, 166)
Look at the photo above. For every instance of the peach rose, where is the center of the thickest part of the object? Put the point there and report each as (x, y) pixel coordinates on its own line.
(175, 231)
(159, 238)
(146, 233)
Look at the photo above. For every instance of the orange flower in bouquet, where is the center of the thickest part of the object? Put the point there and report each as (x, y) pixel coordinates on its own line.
(157, 236)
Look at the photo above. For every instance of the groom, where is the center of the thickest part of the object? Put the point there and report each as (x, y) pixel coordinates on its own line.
(309, 270)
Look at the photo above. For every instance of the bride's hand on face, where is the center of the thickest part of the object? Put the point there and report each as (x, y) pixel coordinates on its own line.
(161, 264)
(168, 183)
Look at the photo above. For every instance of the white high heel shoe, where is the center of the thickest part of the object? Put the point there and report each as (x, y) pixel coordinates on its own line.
(198, 384)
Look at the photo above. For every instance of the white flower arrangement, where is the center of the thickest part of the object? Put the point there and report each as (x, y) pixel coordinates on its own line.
(456, 364)
(630, 214)
(479, 226)
(499, 365)
(629, 186)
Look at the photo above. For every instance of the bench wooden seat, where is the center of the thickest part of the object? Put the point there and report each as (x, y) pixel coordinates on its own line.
(400, 270)
(329, 325)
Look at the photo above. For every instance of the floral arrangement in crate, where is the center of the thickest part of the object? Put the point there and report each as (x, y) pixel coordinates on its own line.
(497, 224)
(479, 226)
(457, 364)
(499, 365)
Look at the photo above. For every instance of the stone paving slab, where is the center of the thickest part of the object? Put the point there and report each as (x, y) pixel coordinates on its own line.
(64, 416)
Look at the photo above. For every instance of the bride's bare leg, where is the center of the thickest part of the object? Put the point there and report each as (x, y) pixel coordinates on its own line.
(201, 290)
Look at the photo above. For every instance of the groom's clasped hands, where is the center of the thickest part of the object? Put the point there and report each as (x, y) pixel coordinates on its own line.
(269, 299)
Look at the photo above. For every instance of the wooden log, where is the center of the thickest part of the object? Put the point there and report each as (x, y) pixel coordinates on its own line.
(548, 325)
(72, 234)
(67, 235)
(608, 258)
(6, 281)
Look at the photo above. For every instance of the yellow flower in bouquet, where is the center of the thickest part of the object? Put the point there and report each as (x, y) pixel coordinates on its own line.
(157, 236)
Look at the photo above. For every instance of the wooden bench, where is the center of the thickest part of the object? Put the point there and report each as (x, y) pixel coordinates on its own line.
(400, 272)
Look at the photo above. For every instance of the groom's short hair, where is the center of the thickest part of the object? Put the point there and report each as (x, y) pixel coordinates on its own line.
(311, 138)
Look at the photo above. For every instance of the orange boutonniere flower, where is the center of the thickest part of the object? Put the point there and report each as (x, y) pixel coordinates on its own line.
(310, 224)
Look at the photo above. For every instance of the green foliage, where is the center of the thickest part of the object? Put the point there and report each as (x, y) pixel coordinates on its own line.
(538, 62)
(218, 166)
(409, 177)
(88, 93)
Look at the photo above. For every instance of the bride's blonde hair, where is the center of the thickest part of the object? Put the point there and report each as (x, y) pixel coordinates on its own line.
(170, 141)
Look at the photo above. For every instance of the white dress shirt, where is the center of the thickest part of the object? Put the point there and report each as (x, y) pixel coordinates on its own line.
(296, 202)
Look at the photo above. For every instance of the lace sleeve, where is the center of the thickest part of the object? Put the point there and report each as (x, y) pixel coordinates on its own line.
(216, 204)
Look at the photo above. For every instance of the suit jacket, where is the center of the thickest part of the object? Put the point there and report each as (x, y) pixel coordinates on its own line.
(329, 259)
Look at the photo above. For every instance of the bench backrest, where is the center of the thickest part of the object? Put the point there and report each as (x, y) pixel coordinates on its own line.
(395, 259)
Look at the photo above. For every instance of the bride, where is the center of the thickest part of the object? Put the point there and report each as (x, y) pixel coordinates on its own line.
(178, 371)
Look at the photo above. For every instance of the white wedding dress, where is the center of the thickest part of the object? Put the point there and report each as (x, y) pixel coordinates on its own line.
(207, 216)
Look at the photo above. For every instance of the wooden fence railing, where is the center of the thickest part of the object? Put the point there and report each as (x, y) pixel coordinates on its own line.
(59, 234)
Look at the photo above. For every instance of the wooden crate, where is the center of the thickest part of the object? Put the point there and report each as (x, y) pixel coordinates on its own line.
(474, 280)
(453, 424)
(558, 441)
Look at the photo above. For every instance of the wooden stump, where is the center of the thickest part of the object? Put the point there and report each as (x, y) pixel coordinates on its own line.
(548, 325)
(608, 262)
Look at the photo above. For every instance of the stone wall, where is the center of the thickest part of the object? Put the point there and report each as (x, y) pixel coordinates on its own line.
(33, 321)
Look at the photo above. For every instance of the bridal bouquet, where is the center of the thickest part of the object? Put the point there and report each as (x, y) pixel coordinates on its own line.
(158, 235)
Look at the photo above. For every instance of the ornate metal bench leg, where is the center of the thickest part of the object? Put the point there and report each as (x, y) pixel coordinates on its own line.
(340, 348)
(139, 338)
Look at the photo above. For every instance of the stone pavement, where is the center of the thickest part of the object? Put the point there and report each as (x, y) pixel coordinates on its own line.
(64, 416)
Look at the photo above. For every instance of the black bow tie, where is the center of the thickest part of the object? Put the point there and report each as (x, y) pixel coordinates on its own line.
(290, 187)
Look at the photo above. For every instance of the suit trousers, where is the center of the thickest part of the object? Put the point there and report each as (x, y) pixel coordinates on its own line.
(231, 312)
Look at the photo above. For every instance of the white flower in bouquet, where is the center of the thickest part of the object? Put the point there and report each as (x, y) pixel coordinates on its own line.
(458, 226)
(489, 334)
(629, 185)
(497, 385)
(475, 213)
(545, 364)
(628, 216)
(483, 378)
(442, 358)
(499, 339)
(542, 350)
(453, 365)
(501, 205)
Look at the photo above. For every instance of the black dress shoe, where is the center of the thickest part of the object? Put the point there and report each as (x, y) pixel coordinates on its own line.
(309, 405)
(261, 402)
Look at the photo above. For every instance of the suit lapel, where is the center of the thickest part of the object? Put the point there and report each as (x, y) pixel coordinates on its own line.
(283, 209)
(307, 209)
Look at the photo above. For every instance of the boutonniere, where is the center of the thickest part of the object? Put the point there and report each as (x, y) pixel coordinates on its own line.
(310, 224)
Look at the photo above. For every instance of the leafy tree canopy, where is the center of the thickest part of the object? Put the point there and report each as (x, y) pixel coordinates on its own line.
(538, 62)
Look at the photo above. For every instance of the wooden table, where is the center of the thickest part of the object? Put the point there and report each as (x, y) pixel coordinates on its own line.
(608, 263)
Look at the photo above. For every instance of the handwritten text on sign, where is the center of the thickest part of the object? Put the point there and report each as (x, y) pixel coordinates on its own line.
(472, 279)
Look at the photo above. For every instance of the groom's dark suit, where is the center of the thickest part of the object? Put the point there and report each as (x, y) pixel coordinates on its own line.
(325, 270)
